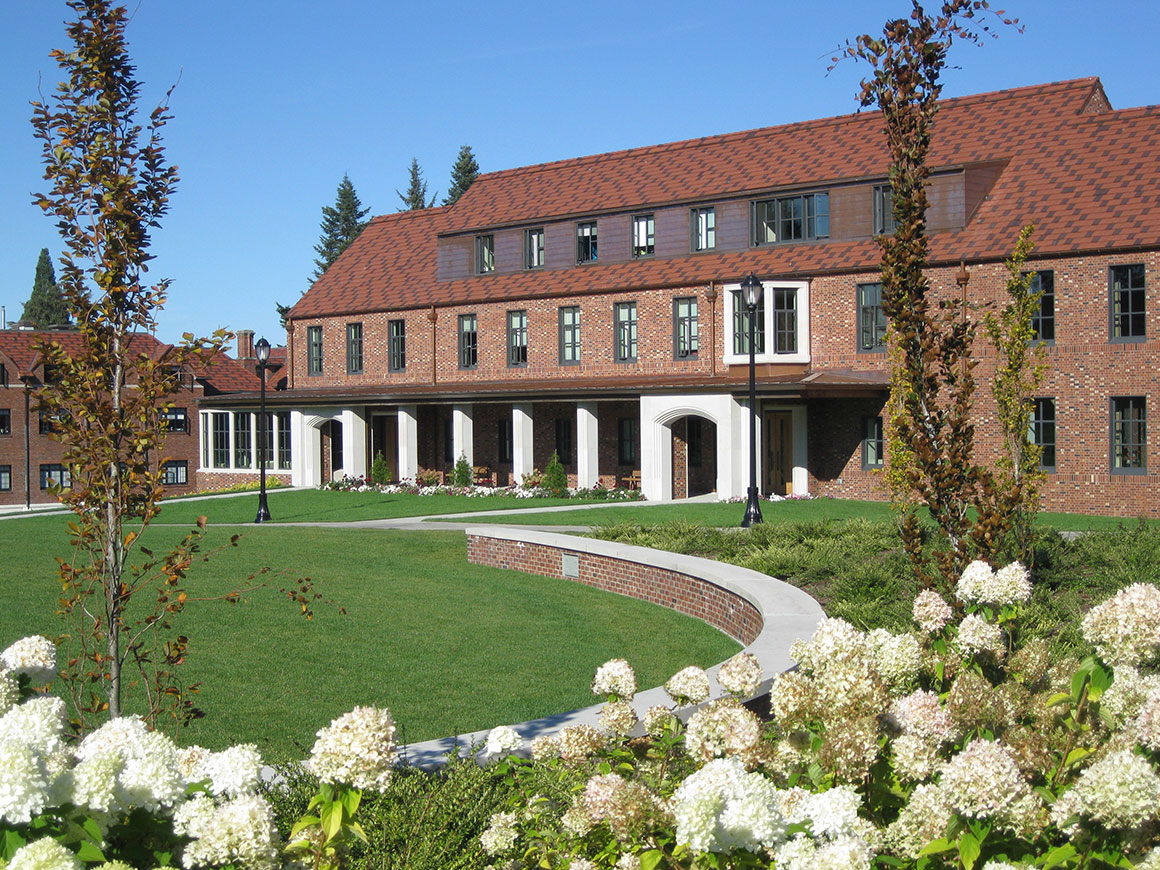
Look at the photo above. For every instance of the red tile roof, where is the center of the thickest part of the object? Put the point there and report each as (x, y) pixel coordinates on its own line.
(1085, 175)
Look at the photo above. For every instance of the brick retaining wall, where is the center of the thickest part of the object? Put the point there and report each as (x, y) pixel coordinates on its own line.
(693, 596)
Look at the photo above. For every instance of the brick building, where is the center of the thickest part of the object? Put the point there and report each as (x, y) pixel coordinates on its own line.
(31, 458)
(591, 307)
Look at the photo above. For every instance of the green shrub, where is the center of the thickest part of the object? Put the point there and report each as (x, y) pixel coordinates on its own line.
(463, 476)
(380, 471)
(555, 478)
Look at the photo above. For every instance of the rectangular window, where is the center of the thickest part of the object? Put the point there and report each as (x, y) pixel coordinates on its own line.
(564, 439)
(626, 440)
(505, 439)
(1129, 435)
(685, 327)
(791, 219)
(1127, 301)
(46, 423)
(643, 236)
(354, 349)
(871, 319)
(5, 421)
(625, 313)
(517, 338)
(534, 248)
(5, 478)
(873, 448)
(397, 346)
(741, 325)
(784, 320)
(570, 335)
(174, 420)
(175, 473)
(1043, 431)
(468, 342)
(284, 444)
(314, 350)
(1043, 321)
(220, 440)
(883, 210)
(586, 242)
(703, 229)
(55, 475)
(484, 254)
(264, 442)
(242, 441)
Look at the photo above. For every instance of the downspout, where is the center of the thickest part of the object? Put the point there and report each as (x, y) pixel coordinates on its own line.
(27, 446)
(289, 354)
(711, 295)
(433, 317)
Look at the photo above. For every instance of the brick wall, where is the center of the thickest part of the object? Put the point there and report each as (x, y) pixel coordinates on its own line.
(690, 595)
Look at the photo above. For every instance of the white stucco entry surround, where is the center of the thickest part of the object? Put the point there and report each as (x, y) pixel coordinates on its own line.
(306, 446)
(731, 417)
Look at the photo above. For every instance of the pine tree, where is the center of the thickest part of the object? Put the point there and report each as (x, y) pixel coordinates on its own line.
(463, 175)
(341, 225)
(46, 306)
(416, 196)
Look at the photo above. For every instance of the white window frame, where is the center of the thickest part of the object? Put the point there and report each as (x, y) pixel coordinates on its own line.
(276, 435)
(802, 355)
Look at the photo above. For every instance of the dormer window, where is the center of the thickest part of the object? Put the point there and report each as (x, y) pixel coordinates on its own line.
(643, 236)
(484, 254)
(586, 242)
(791, 219)
(883, 210)
(534, 248)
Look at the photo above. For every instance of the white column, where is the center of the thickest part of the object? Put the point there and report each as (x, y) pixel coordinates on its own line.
(587, 445)
(408, 438)
(462, 433)
(354, 442)
(801, 476)
(656, 454)
(738, 445)
(522, 437)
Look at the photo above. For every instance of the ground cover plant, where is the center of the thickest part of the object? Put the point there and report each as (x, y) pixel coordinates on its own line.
(451, 647)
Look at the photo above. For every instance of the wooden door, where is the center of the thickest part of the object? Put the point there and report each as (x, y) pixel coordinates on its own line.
(778, 464)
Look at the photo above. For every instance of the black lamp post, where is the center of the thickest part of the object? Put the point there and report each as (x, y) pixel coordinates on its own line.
(262, 348)
(751, 289)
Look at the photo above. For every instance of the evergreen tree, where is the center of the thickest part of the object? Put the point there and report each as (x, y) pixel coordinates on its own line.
(341, 225)
(416, 196)
(46, 306)
(463, 175)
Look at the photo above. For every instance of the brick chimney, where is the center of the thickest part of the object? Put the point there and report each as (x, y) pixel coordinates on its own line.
(246, 344)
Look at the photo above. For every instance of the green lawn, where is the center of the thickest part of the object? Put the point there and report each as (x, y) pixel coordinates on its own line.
(326, 506)
(449, 647)
(724, 515)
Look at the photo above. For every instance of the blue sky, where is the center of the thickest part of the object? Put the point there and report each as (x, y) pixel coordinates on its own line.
(276, 100)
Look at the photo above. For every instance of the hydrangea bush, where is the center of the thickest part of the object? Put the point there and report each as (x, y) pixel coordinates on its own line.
(953, 745)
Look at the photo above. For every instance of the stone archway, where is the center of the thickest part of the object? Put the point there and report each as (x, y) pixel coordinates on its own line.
(658, 414)
(694, 456)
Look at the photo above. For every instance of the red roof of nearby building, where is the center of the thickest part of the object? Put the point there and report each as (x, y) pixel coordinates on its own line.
(1087, 177)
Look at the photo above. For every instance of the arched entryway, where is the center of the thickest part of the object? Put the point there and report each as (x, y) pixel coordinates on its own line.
(330, 456)
(694, 456)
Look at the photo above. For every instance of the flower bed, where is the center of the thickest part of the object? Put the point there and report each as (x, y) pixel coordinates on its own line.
(407, 487)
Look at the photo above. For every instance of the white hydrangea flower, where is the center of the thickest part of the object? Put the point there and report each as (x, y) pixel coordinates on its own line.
(581, 863)
(983, 781)
(576, 819)
(144, 762)
(721, 728)
(1120, 791)
(931, 612)
(503, 741)
(920, 713)
(1000, 865)
(94, 783)
(800, 853)
(833, 813)
(741, 675)
(977, 636)
(834, 640)
(1125, 629)
(1129, 688)
(189, 761)
(720, 808)
(618, 718)
(9, 693)
(500, 835)
(981, 585)
(240, 831)
(234, 771)
(922, 819)
(1148, 722)
(615, 677)
(578, 742)
(24, 782)
(34, 656)
(1151, 861)
(658, 719)
(688, 686)
(39, 722)
(151, 777)
(44, 854)
(898, 657)
(915, 758)
(628, 861)
(357, 749)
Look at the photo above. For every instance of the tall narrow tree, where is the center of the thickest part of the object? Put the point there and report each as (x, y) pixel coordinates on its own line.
(341, 225)
(416, 196)
(45, 307)
(463, 175)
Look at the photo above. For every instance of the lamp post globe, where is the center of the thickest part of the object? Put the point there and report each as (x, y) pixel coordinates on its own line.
(751, 293)
(262, 348)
